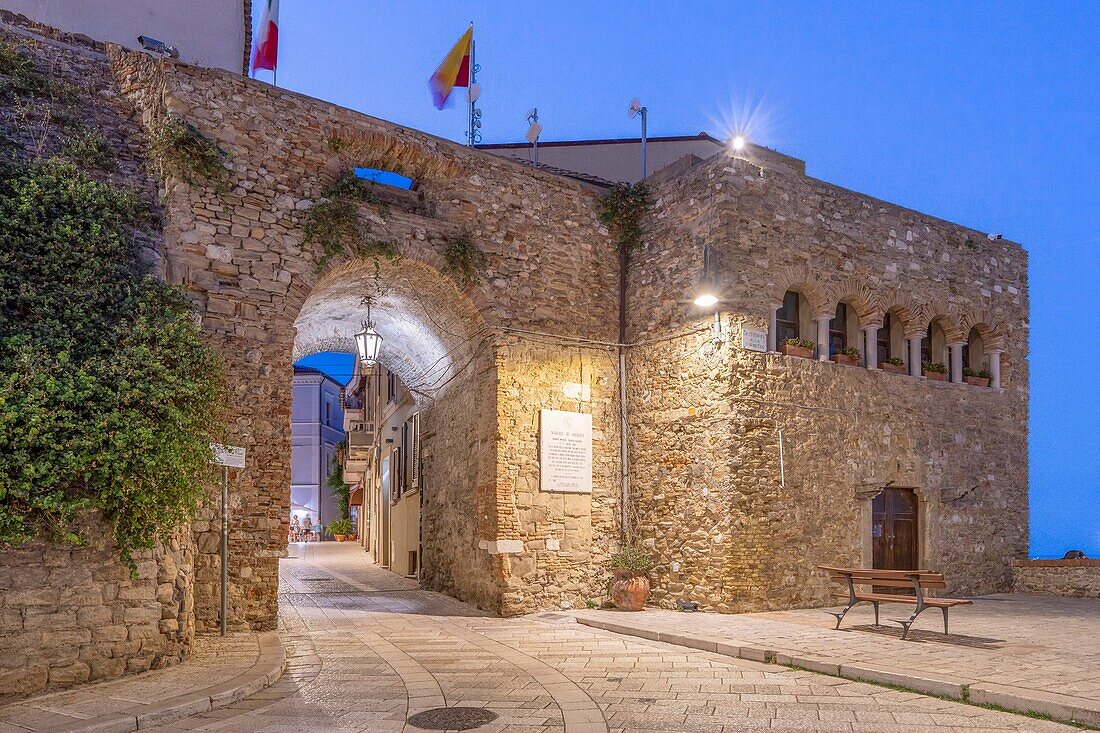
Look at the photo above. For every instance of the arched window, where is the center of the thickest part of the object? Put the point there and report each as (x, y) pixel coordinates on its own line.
(933, 347)
(788, 319)
(844, 329)
(891, 339)
(974, 356)
(838, 329)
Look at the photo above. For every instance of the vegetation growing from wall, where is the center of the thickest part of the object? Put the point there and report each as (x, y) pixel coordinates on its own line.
(20, 78)
(181, 149)
(466, 264)
(622, 209)
(335, 224)
(109, 400)
(339, 489)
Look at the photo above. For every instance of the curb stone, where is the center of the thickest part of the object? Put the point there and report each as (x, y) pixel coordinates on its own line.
(269, 667)
(1065, 708)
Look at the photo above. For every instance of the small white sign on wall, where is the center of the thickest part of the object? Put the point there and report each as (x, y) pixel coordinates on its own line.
(565, 451)
(754, 340)
(228, 455)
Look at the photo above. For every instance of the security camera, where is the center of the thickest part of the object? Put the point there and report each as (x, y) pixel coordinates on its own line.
(994, 237)
(152, 44)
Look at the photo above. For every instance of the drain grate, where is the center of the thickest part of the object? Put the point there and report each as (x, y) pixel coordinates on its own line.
(452, 718)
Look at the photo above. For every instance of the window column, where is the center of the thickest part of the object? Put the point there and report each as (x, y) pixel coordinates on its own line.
(956, 362)
(914, 356)
(773, 328)
(823, 336)
(995, 369)
(870, 347)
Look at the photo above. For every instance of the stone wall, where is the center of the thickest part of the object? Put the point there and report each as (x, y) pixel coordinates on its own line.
(75, 614)
(728, 530)
(1076, 578)
(264, 295)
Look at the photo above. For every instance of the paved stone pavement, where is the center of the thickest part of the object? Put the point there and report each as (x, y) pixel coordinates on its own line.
(214, 664)
(366, 649)
(1026, 652)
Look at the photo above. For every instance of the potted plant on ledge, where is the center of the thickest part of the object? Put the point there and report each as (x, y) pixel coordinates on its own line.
(849, 356)
(934, 370)
(802, 348)
(977, 378)
(894, 365)
(630, 584)
(340, 529)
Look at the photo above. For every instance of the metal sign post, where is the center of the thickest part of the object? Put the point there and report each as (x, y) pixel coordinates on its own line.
(226, 456)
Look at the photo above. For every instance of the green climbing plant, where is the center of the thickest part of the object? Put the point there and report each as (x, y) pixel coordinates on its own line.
(109, 399)
(339, 489)
(622, 209)
(181, 149)
(335, 224)
(466, 264)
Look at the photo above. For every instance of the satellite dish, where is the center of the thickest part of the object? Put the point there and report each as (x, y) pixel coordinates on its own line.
(634, 108)
(533, 132)
(473, 92)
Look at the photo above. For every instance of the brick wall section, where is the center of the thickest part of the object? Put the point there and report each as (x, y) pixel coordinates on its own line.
(1076, 578)
(704, 422)
(74, 614)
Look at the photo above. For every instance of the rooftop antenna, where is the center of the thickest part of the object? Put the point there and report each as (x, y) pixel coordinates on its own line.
(534, 131)
(632, 111)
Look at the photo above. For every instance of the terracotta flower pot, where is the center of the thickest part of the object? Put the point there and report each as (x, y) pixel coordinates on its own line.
(977, 381)
(892, 368)
(845, 360)
(788, 350)
(629, 589)
(937, 376)
(340, 537)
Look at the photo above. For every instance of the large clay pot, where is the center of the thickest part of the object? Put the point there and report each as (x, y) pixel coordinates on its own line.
(629, 589)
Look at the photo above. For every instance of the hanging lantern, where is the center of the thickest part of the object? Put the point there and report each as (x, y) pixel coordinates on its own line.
(368, 342)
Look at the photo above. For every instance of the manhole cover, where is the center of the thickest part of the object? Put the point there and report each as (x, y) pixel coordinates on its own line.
(452, 718)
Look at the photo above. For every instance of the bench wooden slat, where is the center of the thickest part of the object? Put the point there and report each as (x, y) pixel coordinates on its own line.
(891, 598)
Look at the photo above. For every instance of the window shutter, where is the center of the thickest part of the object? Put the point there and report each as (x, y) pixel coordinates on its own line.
(414, 453)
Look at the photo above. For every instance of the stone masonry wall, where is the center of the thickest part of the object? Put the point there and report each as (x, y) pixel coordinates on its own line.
(1075, 578)
(705, 420)
(242, 259)
(74, 614)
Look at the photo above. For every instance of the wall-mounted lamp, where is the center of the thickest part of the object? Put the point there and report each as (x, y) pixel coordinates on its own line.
(706, 295)
(368, 342)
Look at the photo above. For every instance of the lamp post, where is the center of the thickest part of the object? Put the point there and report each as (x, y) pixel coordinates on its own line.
(707, 294)
(368, 342)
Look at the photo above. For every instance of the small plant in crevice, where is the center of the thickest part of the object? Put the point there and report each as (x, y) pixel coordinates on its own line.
(466, 264)
(181, 149)
(622, 209)
(335, 224)
(90, 149)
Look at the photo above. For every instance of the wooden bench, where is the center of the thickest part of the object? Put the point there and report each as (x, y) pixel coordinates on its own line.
(918, 581)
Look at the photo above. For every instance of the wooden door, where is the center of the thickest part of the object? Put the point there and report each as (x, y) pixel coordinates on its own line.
(894, 530)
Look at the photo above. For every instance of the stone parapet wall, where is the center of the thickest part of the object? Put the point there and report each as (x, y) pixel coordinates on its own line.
(75, 614)
(1076, 578)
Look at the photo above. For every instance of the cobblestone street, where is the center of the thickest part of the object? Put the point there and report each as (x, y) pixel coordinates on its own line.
(366, 649)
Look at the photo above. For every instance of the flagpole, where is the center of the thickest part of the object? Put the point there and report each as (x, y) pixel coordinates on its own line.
(469, 97)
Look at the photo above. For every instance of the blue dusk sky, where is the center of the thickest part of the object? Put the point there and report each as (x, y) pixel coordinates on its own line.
(982, 113)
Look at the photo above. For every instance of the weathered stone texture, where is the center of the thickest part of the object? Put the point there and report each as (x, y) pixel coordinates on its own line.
(705, 420)
(75, 614)
(1075, 578)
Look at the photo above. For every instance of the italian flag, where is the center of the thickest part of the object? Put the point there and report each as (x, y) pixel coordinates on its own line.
(266, 51)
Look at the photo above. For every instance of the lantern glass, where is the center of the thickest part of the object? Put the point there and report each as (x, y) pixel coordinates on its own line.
(368, 342)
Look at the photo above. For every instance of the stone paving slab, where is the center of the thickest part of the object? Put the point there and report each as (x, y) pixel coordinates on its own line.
(365, 650)
(219, 672)
(1021, 652)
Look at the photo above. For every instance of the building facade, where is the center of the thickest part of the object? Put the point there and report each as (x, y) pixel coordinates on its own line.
(745, 466)
(317, 434)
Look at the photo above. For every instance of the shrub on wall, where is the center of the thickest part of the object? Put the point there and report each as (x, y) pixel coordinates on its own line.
(335, 224)
(109, 400)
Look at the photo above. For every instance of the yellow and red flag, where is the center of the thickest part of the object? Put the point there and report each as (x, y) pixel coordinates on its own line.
(454, 71)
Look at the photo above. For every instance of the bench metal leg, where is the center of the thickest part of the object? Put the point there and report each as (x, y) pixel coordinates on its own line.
(875, 604)
(944, 609)
(840, 616)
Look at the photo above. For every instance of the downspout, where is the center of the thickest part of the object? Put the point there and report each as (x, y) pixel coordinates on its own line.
(624, 437)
